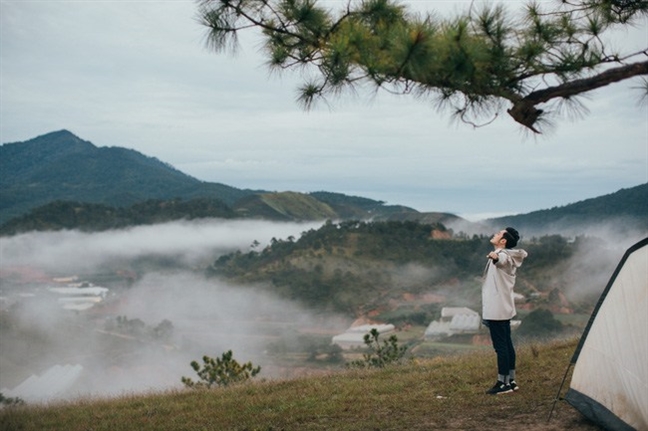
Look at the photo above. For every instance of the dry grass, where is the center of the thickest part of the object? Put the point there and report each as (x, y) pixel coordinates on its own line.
(436, 394)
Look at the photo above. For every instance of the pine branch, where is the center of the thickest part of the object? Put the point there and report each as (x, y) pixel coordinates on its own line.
(524, 110)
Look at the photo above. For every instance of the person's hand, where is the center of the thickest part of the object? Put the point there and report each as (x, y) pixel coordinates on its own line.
(492, 255)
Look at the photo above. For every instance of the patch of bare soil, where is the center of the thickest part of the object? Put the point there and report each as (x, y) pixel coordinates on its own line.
(563, 417)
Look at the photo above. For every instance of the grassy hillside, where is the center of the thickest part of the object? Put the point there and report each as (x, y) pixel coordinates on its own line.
(431, 394)
(284, 206)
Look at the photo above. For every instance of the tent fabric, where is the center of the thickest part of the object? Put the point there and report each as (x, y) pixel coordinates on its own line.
(597, 412)
(609, 384)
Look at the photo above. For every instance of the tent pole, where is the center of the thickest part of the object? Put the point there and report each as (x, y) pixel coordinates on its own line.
(559, 390)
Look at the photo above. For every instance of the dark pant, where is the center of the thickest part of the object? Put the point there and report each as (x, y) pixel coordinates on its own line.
(500, 332)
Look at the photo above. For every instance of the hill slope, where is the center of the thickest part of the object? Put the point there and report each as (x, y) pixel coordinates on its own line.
(61, 166)
(436, 394)
(624, 211)
(284, 206)
(87, 217)
(369, 268)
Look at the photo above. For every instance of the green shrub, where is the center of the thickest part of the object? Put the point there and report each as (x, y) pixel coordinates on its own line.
(10, 401)
(379, 355)
(222, 371)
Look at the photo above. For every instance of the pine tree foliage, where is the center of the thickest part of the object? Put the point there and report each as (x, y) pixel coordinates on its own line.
(381, 352)
(223, 371)
(481, 62)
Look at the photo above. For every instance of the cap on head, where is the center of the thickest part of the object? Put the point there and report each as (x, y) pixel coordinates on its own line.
(511, 236)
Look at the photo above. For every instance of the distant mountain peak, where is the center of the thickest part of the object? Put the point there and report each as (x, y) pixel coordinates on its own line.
(61, 137)
(61, 166)
(59, 134)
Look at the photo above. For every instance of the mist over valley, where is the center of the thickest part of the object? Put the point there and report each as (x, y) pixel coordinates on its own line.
(275, 293)
(154, 274)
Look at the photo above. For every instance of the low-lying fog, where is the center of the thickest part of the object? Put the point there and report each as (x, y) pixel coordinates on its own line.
(208, 316)
(191, 242)
(155, 277)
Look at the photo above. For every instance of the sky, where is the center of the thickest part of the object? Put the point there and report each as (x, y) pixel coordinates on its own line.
(137, 74)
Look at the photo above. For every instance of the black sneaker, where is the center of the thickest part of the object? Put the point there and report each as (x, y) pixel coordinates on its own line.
(514, 386)
(500, 388)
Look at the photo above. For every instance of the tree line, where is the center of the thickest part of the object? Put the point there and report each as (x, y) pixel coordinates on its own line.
(356, 266)
(91, 217)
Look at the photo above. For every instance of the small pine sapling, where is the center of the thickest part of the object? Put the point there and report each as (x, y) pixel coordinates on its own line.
(222, 371)
(380, 355)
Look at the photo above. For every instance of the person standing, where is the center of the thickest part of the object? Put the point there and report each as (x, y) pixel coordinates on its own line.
(498, 305)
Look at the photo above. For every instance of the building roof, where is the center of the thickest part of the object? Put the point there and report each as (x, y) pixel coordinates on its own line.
(453, 311)
(354, 336)
(52, 384)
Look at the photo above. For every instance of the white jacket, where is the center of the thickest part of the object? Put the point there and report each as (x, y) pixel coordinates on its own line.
(499, 280)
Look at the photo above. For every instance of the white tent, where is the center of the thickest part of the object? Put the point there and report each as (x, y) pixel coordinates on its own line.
(609, 384)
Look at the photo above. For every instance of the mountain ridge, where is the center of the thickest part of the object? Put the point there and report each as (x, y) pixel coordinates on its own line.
(61, 167)
(626, 208)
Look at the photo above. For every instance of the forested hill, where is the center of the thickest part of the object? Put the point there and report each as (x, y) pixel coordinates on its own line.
(51, 174)
(363, 268)
(59, 181)
(623, 211)
(60, 166)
